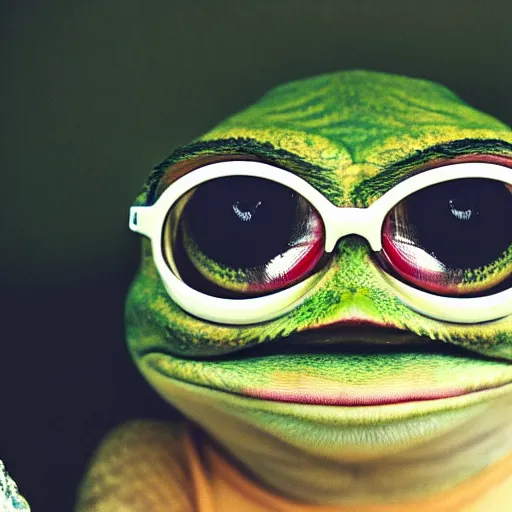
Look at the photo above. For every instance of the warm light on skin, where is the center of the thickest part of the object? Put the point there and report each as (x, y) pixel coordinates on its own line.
(397, 451)
(351, 388)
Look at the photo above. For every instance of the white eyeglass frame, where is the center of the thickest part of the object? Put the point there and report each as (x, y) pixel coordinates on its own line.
(338, 222)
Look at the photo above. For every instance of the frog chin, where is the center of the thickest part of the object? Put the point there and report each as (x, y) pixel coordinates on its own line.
(337, 396)
(358, 432)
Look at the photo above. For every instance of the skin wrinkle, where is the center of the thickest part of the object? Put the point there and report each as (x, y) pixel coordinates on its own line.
(192, 156)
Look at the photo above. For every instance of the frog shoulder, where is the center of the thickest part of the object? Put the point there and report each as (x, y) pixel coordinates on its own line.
(141, 465)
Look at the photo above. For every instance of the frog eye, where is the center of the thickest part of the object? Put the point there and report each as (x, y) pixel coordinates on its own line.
(242, 236)
(453, 238)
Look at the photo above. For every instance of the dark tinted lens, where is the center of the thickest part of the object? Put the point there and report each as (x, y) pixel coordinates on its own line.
(245, 235)
(453, 238)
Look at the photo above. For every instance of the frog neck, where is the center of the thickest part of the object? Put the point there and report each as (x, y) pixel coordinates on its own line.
(424, 471)
(383, 470)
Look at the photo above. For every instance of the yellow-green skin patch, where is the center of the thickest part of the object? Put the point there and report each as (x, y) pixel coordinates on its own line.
(486, 277)
(353, 136)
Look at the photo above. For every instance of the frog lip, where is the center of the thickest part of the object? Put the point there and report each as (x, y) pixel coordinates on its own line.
(342, 396)
(411, 385)
(354, 399)
(350, 340)
(364, 341)
(339, 338)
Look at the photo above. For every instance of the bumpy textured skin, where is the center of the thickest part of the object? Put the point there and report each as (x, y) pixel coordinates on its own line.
(150, 477)
(353, 136)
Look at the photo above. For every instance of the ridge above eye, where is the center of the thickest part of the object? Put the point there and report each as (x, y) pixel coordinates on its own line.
(452, 238)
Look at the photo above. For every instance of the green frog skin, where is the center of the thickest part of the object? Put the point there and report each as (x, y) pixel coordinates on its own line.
(352, 398)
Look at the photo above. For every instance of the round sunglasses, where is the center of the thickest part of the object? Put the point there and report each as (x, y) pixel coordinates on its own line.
(242, 242)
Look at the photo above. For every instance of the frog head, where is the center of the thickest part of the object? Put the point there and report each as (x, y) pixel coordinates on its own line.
(326, 275)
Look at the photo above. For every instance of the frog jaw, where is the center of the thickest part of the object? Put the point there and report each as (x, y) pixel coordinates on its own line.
(334, 364)
(243, 400)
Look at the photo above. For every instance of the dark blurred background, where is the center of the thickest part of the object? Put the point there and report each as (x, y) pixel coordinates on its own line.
(93, 95)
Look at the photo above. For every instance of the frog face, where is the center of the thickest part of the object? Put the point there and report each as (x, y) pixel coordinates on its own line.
(320, 324)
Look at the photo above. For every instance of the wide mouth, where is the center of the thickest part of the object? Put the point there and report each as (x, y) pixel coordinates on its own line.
(373, 368)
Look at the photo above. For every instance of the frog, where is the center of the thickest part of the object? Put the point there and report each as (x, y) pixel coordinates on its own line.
(324, 297)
